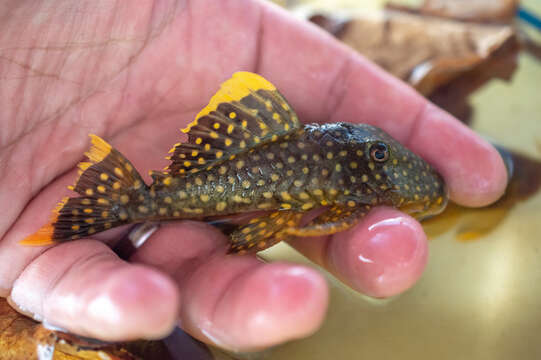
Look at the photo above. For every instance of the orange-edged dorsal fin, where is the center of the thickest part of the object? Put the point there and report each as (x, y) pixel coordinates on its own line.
(246, 112)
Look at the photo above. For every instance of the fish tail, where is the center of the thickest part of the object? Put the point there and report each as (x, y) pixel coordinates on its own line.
(109, 187)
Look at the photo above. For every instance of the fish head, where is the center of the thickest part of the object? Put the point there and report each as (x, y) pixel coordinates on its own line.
(397, 176)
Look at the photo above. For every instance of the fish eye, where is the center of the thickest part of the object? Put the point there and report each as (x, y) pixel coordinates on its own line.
(379, 152)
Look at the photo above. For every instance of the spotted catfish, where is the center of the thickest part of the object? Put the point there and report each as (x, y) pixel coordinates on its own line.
(247, 151)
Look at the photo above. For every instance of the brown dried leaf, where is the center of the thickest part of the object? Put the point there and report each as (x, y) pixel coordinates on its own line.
(492, 11)
(425, 51)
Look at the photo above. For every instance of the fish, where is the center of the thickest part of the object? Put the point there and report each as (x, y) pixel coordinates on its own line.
(247, 152)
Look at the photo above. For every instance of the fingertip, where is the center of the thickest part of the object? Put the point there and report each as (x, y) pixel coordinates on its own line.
(83, 287)
(473, 169)
(486, 185)
(276, 303)
(136, 302)
(383, 256)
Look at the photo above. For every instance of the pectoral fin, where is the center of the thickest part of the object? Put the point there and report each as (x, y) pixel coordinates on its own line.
(335, 219)
(263, 232)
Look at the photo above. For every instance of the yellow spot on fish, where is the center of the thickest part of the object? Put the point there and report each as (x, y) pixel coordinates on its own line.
(307, 206)
(142, 209)
(104, 176)
(285, 206)
(285, 195)
(364, 178)
(182, 194)
(246, 184)
(167, 181)
(213, 134)
(221, 206)
(118, 172)
(274, 177)
(103, 201)
(124, 199)
(75, 227)
(104, 214)
(219, 154)
(228, 142)
(240, 164)
(220, 188)
(351, 203)
(330, 155)
(89, 192)
(168, 199)
(304, 196)
(291, 159)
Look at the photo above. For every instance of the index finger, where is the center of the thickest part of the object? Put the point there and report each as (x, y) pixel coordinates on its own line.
(326, 82)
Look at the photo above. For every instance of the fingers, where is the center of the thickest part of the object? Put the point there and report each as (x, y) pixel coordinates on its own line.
(325, 81)
(83, 287)
(236, 302)
(383, 256)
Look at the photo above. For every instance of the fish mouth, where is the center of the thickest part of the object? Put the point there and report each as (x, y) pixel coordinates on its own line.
(422, 210)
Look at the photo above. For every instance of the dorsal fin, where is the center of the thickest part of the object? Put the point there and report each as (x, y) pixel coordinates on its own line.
(246, 112)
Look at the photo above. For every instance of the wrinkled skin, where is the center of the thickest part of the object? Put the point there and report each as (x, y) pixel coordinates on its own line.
(135, 74)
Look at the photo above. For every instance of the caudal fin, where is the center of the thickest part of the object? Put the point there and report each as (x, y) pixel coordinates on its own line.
(109, 187)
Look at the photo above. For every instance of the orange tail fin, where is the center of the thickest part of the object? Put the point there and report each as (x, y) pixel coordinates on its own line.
(107, 183)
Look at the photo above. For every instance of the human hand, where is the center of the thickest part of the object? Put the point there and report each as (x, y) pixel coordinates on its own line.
(134, 75)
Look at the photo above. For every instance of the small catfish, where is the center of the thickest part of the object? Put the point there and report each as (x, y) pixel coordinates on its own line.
(247, 151)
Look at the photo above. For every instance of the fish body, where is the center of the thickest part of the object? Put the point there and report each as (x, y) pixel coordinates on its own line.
(246, 152)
